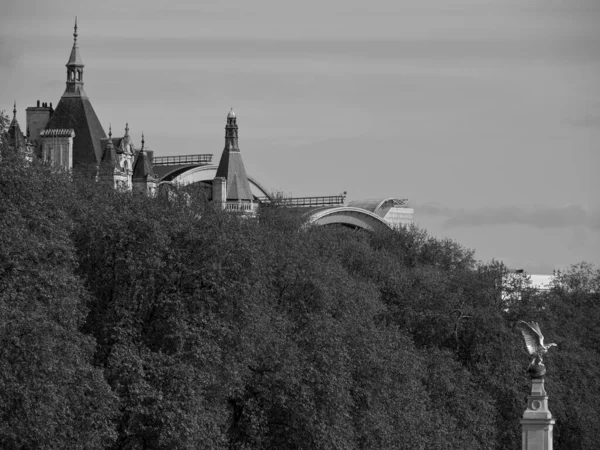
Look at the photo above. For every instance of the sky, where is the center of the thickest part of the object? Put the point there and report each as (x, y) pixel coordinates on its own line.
(485, 114)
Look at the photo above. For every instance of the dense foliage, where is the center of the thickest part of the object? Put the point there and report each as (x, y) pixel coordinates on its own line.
(136, 323)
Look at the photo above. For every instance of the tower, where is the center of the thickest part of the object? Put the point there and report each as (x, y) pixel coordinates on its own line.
(110, 170)
(144, 179)
(126, 153)
(230, 186)
(75, 112)
(14, 136)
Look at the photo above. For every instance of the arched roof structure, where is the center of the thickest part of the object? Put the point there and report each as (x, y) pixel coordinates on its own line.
(206, 174)
(349, 216)
(377, 204)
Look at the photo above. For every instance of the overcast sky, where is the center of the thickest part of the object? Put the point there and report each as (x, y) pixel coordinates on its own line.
(485, 114)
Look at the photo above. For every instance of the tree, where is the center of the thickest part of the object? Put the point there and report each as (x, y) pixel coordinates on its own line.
(50, 394)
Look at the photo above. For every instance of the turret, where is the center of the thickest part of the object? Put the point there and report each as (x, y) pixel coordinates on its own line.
(231, 180)
(75, 69)
(110, 170)
(75, 112)
(15, 138)
(145, 180)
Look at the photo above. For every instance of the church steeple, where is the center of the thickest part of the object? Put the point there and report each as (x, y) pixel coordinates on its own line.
(75, 69)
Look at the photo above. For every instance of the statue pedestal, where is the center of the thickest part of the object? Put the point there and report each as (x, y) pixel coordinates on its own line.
(537, 421)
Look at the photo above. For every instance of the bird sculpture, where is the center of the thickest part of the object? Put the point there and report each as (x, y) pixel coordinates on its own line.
(534, 341)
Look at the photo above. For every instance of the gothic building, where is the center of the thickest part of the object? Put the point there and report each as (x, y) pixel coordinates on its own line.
(71, 138)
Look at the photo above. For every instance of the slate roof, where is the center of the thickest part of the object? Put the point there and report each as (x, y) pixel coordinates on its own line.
(142, 168)
(116, 142)
(76, 112)
(15, 135)
(75, 57)
(110, 154)
(232, 168)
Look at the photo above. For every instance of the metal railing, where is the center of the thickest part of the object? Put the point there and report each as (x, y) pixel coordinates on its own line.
(182, 160)
(305, 202)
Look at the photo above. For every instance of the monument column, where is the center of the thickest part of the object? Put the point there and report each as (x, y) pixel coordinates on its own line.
(537, 421)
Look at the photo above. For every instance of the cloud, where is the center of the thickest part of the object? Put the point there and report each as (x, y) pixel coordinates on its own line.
(535, 216)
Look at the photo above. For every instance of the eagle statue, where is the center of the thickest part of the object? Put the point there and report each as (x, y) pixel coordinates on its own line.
(534, 341)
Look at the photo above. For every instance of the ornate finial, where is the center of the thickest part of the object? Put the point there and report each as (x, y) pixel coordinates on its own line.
(109, 131)
(142, 141)
(231, 114)
(127, 129)
(75, 31)
(15, 110)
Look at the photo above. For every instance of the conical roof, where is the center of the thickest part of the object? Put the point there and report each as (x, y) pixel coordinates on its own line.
(109, 157)
(75, 58)
(15, 135)
(142, 168)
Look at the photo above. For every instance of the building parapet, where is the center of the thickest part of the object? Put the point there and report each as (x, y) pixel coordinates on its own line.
(243, 207)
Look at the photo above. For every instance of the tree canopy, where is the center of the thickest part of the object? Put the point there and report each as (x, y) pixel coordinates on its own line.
(129, 322)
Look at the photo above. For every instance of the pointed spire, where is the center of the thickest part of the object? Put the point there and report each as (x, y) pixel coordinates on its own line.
(75, 32)
(109, 131)
(75, 58)
(14, 121)
(75, 70)
(142, 168)
(126, 129)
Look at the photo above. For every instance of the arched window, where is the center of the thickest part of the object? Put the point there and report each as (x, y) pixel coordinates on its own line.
(78, 75)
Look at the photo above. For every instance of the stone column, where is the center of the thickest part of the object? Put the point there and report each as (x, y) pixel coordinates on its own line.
(537, 421)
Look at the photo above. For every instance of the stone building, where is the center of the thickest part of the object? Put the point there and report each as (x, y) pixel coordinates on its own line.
(71, 137)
